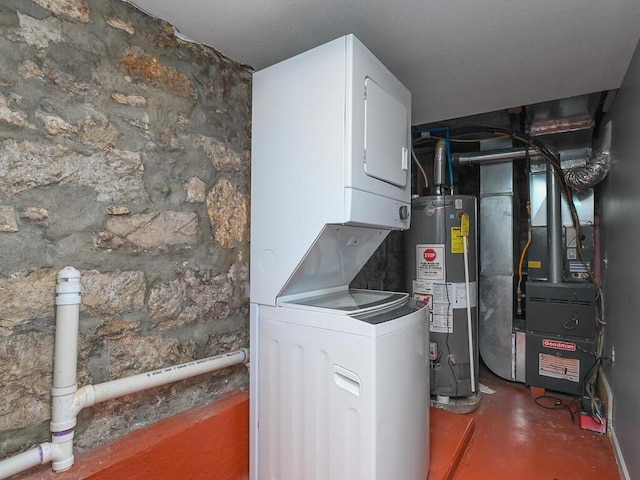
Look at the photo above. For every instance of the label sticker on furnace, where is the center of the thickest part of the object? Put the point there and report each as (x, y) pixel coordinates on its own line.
(430, 262)
(559, 367)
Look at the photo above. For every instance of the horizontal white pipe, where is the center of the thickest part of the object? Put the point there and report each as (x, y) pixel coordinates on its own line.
(21, 462)
(61, 451)
(91, 394)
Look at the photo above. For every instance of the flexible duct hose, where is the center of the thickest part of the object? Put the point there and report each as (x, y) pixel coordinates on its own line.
(583, 177)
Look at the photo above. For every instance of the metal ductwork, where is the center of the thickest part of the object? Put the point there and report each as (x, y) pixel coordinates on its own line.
(584, 177)
(493, 156)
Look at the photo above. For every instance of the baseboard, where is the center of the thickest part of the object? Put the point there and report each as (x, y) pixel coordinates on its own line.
(606, 395)
(622, 466)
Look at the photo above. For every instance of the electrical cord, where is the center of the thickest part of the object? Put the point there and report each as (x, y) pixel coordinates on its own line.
(424, 175)
(426, 138)
(557, 404)
(446, 341)
(519, 295)
(449, 315)
(594, 407)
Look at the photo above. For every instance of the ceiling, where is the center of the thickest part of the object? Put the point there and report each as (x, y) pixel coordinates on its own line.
(458, 58)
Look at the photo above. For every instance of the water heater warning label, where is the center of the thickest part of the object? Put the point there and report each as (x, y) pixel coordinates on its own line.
(457, 241)
(442, 298)
(430, 263)
(559, 367)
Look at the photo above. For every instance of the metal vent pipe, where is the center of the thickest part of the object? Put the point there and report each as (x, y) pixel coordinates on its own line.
(439, 171)
(439, 164)
(554, 226)
(501, 155)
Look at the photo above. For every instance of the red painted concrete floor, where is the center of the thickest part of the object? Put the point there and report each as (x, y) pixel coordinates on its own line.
(510, 437)
(205, 443)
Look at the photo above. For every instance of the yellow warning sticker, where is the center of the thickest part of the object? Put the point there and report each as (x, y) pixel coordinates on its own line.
(464, 224)
(457, 243)
(535, 264)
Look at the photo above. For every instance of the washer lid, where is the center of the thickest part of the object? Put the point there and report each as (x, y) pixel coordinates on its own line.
(350, 302)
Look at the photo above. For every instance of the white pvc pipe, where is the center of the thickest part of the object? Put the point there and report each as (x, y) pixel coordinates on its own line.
(21, 462)
(65, 367)
(62, 457)
(67, 400)
(65, 355)
(472, 363)
(66, 346)
(91, 394)
(67, 314)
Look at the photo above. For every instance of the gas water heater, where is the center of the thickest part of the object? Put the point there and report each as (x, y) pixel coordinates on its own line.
(441, 258)
(442, 273)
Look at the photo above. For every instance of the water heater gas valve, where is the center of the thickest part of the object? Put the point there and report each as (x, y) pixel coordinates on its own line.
(433, 351)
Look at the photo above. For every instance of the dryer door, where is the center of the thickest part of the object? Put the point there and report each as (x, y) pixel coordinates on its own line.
(385, 136)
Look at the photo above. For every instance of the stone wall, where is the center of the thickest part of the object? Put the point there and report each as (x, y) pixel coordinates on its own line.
(124, 152)
(385, 270)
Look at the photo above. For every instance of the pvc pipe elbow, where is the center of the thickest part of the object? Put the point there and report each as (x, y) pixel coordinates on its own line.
(63, 414)
(62, 451)
(84, 397)
(65, 408)
(45, 452)
(247, 355)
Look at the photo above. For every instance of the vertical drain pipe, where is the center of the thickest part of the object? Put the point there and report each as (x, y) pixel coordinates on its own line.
(65, 363)
(554, 226)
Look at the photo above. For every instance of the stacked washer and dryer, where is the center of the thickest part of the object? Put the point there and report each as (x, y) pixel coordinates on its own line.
(339, 377)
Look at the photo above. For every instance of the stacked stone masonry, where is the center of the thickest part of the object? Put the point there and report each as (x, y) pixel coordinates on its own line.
(124, 152)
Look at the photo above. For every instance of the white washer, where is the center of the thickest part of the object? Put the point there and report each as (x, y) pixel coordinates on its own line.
(343, 387)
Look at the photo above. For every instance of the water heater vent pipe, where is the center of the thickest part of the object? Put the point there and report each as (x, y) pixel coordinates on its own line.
(439, 164)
